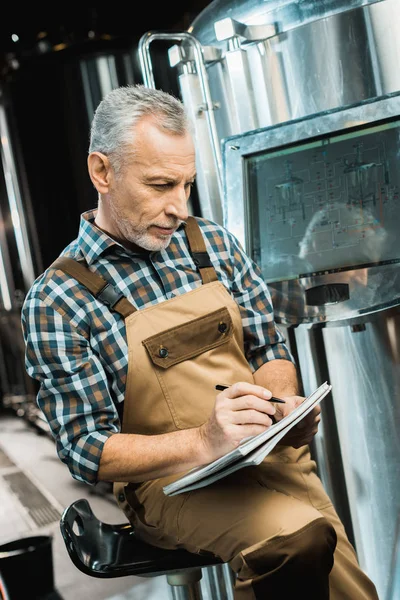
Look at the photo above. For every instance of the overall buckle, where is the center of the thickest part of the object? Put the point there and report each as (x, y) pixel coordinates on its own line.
(109, 296)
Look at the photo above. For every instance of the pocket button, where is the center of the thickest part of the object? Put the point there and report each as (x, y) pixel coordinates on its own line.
(222, 327)
(163, 352)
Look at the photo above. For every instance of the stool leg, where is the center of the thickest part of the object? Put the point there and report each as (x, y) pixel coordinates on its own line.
(185, 585)
(217, 582)
(229, 578)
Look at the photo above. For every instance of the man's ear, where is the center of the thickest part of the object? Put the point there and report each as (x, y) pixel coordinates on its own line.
(100, 171)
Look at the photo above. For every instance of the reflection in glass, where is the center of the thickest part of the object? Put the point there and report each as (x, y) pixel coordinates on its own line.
(325, 205)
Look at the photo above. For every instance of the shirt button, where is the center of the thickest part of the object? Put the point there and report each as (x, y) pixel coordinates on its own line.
(163, 352)
(222, 327)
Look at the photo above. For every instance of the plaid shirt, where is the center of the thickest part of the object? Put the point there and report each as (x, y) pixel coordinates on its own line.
(76, 348)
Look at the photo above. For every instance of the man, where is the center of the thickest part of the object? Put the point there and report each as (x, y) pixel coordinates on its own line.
(128, 341)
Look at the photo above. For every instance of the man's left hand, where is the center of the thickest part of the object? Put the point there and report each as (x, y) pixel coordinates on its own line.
(304, 432)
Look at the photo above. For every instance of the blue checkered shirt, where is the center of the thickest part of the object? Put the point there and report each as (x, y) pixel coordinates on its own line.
(76, 348)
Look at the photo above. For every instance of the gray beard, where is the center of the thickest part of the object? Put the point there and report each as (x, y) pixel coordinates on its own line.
(140, 236)
(143, 239)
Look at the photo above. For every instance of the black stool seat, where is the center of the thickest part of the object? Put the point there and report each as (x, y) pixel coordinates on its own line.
(107, 550)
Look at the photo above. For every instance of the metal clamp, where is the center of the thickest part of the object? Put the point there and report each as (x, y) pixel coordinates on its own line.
(228, 28)
(181, 53)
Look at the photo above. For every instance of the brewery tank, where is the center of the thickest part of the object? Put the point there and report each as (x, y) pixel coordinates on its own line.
(295, 106)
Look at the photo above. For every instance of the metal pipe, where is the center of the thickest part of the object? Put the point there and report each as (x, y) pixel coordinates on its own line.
(185, 585)
(218, 582)
(15, 202)
(148, 79)
(186, 592)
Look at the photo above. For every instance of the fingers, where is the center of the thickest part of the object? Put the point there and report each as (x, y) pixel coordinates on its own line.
(247, 431)
(299, 442)
(252, 403)
(245, 395)
(242, 388)
(251, 417)
(312, 417)
(247, 405)
(305, 435)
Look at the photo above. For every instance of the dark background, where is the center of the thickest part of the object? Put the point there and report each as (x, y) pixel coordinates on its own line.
(41, 89)
(70, 23)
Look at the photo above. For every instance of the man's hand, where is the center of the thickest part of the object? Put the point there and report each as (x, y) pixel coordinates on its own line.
(302, 433)
(240, 411)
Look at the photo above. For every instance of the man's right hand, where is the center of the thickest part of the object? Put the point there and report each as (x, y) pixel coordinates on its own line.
(240, 411)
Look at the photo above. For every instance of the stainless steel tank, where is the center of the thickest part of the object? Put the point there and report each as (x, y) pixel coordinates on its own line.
(245, 64)
(295, 105)
(322, 221)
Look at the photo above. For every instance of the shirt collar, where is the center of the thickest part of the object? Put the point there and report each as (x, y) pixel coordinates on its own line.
(92, 241)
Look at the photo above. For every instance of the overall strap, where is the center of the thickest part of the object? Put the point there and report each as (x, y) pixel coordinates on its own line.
(99, 287)
(199, 252)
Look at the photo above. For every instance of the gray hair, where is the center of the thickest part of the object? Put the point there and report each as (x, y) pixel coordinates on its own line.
(121, 109)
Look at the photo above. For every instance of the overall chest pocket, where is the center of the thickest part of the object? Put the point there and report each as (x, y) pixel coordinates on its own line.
(188, 360)
(190, 339)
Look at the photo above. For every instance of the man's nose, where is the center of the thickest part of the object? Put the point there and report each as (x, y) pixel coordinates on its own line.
(177, 204)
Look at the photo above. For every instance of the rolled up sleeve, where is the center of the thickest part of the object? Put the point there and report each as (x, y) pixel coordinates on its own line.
(73, 394)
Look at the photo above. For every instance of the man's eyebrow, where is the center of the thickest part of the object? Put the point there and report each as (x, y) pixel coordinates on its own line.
(167, 178)
(158, 177)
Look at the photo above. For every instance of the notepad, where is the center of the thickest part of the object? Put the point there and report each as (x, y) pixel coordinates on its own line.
(250, 452)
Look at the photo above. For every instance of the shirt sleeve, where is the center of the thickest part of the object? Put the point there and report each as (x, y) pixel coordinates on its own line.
(262, 339)
(73, 393)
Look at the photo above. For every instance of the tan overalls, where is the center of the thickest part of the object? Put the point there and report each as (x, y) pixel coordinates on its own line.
(273, 522)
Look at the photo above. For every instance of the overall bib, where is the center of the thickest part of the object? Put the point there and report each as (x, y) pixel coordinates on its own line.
(273, 523)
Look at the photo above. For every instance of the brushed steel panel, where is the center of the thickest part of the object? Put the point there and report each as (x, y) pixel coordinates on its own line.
(364, 370)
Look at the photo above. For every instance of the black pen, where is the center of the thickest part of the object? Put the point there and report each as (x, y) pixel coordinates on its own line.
(221, 387)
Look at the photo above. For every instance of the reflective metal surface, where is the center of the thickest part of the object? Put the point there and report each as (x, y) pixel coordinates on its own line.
(281, 60)
(359, 443)
(217, 583)
(288, 14)
(353, 343)
(364, 370)
(208, 185)
(394, 586)
(372, 287)
(99, 76)
(17, 211)
(297, 80)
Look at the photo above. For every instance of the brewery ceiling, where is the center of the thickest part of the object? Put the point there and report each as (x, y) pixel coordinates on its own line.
(36, 28)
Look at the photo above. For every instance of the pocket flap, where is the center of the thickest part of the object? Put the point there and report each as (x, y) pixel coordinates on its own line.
(190, 339)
